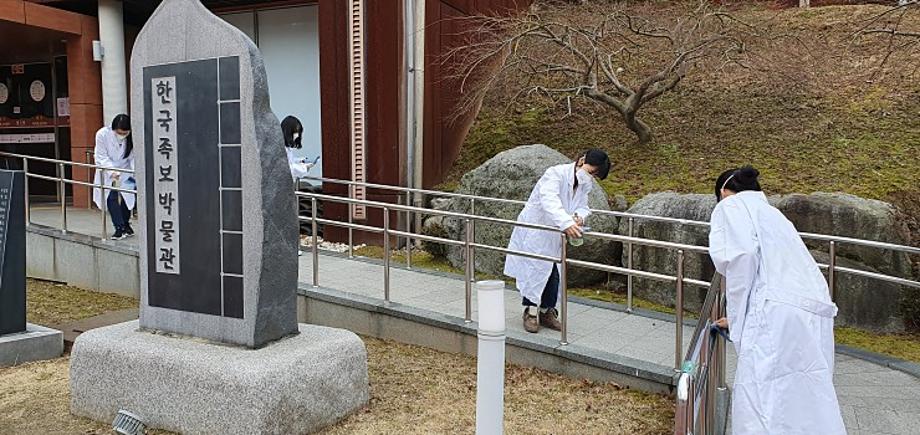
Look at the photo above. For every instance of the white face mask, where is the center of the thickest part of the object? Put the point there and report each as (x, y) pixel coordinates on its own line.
(583, 177)
(121, 137)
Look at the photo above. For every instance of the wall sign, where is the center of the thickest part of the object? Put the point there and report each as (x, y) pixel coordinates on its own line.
(4, 93)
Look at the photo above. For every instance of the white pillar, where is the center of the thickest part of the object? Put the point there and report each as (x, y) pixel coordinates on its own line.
(490, 360)
(114, 68)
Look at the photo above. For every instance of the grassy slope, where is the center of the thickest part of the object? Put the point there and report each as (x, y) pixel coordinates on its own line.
(813, 124)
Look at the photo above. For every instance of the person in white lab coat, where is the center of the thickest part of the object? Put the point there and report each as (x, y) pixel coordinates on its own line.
(780, 315)
(560, 200)
(292, 130)
(114, 149)
(293, 137)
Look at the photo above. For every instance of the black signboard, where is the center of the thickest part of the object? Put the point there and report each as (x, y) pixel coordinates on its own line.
(194, 186)
(12, 252)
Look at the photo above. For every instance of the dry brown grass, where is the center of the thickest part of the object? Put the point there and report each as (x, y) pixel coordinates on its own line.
(49, 303)
(35, 399)
(419, 390)
(414, 390)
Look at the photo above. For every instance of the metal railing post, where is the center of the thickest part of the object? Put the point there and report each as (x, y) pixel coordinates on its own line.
(104, 202)
(63, 193)
(386, 254)
(629, 265)
(679, 328)
(831, 275)
(315, 238)
(25, 169)
(89, 198)
(408, 230)
(470, 274)
(351, 231)
(564, 292)
(473, 238)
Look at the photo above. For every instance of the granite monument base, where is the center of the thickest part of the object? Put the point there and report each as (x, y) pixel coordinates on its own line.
(296, 385)
(36, 343)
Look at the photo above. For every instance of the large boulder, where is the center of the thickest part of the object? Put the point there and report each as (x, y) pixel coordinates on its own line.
(696, 207)
(512, 174)
(865, 302)
(847, 215)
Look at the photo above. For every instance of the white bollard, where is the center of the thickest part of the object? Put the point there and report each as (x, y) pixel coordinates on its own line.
(490, 364)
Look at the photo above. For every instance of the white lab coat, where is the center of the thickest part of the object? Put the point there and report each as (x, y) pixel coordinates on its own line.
(299, 168)
(553, 203)
(781, 321)
(109, 153)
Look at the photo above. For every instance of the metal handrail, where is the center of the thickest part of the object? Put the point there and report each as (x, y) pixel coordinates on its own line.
(679, 221)
(470, 245)
(63, 182)
(702, 395)
(833, 241)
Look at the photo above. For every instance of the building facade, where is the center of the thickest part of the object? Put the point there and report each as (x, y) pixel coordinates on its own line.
(366, 78)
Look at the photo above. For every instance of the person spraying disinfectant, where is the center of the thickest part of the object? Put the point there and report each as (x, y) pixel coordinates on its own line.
(560, 200)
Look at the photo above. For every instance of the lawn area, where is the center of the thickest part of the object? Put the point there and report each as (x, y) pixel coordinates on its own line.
(49, 303)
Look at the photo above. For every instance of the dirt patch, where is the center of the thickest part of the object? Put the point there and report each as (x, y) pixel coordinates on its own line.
(414, 390)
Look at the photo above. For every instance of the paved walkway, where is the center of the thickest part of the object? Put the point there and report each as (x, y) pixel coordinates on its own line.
(874, 399)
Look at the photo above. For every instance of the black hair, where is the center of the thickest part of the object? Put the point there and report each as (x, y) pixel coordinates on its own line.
(738, 180)
(289, 126)
(598, 159)
(123, 122)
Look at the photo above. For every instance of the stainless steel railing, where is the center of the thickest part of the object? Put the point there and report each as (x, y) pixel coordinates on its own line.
(469, 245)
(62, 182)
(833, 241)
(702, 396)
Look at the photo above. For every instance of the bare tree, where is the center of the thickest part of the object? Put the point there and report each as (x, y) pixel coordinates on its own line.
(621, 55)
(899, 24)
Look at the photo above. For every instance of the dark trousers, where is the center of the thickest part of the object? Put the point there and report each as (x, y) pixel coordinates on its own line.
(118, 210)
(550, 293)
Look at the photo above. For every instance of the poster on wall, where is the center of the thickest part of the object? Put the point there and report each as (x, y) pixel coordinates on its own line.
(63, 106)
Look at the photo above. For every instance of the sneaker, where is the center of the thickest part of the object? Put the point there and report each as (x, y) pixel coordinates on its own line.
(531, 322)
(119, 235)
(299, 253)
(550, 319)
(129, 232)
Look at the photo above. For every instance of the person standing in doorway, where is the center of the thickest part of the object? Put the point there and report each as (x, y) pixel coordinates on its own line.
(115, 150)
(292, 130)
(560, 200)
(780, 315)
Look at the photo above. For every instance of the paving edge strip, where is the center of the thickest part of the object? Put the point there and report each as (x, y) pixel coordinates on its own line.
(887, 361)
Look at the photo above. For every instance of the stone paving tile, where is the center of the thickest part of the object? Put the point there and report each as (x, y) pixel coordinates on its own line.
(886, 422)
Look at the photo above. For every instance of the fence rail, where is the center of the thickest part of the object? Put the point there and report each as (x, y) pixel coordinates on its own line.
(62, 182)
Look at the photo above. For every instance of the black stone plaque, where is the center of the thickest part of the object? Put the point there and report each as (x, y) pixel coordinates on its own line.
(12, 252)
(194, 229)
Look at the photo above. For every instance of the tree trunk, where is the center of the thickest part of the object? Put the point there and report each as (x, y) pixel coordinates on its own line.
(641, 129)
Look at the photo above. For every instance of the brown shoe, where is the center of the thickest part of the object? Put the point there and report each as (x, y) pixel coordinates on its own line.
(550, 319)
(531, 323)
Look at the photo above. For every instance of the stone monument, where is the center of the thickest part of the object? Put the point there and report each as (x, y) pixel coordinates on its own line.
(217, 348)
(19, 341)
